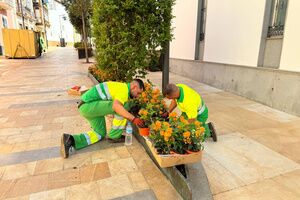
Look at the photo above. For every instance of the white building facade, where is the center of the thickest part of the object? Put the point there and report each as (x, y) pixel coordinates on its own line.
(60, 25)
(250, 48)
(256, 33)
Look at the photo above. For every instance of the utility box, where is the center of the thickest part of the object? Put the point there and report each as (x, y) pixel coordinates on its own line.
(21, 43)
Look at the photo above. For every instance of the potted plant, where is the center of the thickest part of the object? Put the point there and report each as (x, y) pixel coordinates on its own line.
(81, 50)
(151, 106)
(176, 141)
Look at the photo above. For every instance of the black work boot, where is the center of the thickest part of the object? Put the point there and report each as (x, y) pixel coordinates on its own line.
(67, 142)
(213, 132)
(119, 140)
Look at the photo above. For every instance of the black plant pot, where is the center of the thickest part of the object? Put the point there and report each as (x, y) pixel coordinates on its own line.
(81, 52)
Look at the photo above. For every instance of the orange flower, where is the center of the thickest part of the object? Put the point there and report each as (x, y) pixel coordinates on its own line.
(158, 124)
(162, 133)
(198, 133)
(173, 114)
(166, 138)
(182, 119)
(144, 95)
(186, 134)
(197, 123)
(202, 129)
(166, 124)
(152, 101)
(156, 91)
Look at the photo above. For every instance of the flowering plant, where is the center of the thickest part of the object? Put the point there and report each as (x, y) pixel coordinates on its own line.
(151, 104)
(177, 135)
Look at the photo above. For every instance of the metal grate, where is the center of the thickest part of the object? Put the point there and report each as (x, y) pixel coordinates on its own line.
(277, 20)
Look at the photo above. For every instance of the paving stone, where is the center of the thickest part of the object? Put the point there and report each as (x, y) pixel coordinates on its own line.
(49, 165)
(248, 160)
(94, 172)
(18, 171)
(28, 185)
(41, 104)
(138, 181)
(122, 152)
(63, 178)
(122, 166)
(88, 191)
(27, 156)
(57, 194)
(145, 195)
(115, 186)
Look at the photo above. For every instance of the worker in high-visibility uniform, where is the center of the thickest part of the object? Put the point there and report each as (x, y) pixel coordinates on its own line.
(99, 101)
(191, 105)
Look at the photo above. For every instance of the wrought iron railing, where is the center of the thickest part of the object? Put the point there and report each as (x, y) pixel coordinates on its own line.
(275, 30)
(277, 20)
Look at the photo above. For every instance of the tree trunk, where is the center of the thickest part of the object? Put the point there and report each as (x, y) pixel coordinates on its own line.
(84, 37)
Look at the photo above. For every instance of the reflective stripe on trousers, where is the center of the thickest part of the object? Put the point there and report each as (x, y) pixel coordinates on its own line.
(119, 122)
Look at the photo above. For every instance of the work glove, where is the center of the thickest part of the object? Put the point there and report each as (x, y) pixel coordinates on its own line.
(165, 115)
(138, 122)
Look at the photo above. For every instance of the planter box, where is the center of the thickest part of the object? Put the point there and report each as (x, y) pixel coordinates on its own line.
(173, 159)
(81, 52)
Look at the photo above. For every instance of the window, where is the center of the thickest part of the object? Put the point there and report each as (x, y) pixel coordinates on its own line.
(4, 22)
(277, 20)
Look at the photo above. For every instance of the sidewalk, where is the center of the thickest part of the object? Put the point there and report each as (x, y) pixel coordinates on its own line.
(257, 155)
(35, 110)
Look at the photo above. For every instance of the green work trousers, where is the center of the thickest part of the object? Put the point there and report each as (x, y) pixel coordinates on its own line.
(94, 112)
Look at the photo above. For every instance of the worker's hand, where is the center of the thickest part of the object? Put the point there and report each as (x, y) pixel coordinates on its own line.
(139, 122)
(165, 115)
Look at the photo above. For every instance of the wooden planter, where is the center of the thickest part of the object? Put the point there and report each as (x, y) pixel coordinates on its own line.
(173, 159)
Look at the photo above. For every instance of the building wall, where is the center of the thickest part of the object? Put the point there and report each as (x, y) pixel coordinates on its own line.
(272, 52)
(290, 58)
(233, 31)
(8, 14)
(59, 27)
(268, 86)
(184, 24)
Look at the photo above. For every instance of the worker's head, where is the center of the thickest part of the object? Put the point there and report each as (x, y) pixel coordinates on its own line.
(136, 87)
(171, 91)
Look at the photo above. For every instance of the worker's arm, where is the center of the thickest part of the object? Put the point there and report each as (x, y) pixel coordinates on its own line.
(172, 106)
(119, 108)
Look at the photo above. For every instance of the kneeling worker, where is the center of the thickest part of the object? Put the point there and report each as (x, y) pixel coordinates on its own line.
(191, 104)
(101, 100)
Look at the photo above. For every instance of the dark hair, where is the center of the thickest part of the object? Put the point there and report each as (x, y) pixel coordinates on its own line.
(169, 89)
(140, 82)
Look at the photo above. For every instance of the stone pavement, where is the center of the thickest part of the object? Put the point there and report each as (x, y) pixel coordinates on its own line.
(35, 110)
(257, 155)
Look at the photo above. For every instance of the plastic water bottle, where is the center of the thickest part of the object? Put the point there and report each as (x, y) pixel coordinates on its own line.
(128, 137)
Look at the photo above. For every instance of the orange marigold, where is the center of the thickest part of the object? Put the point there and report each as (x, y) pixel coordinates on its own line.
(162, 133)
(166, 138)
(166, 124)
(186, 134)
(173, 114)
(197, 123)
(158, 124)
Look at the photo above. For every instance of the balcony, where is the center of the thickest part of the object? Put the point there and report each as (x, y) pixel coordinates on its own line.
(6, 4)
